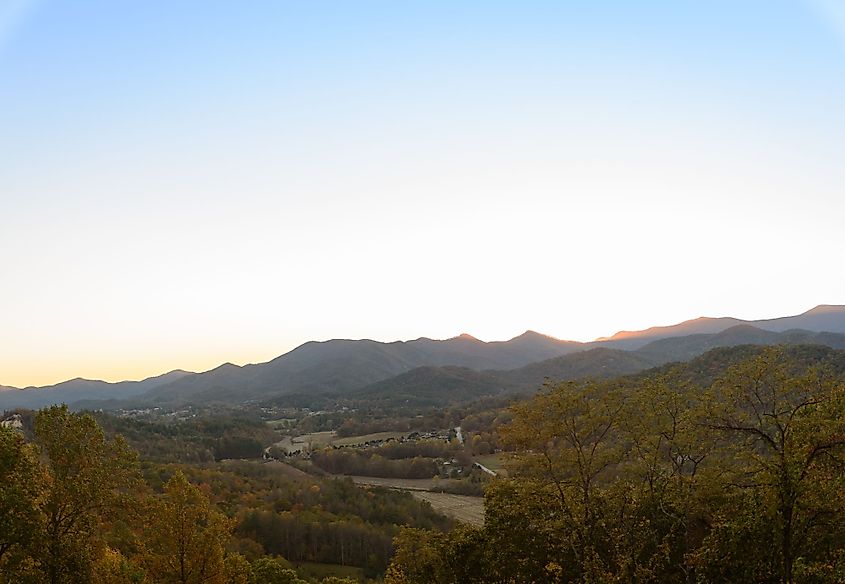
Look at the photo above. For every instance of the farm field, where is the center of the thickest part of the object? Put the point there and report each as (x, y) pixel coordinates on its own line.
(315, 439)
(281, 423)
(495, 462)
(323, 439)
(363, 439)
(279, 468)
(304, 442)
(402, 484)
(461, 507)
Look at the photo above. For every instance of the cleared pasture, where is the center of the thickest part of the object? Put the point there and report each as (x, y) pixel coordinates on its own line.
(461, 507)
(305, 442)
(401, 484)
(495, 462)
(363, 439)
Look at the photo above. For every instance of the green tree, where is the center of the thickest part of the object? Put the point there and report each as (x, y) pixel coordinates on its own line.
(87, 480)
(419, 557)
(569, 443)
(273, 571)
(665, 479)
(21, 490)
(786, 426)
(727, 469)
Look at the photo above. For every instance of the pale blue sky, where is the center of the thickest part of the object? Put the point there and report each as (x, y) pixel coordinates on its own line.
(187, 183)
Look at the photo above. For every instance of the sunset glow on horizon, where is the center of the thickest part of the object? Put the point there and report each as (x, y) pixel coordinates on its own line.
(185, 185)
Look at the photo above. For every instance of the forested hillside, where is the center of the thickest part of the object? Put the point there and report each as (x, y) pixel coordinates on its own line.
(728, 469)
(78, 506)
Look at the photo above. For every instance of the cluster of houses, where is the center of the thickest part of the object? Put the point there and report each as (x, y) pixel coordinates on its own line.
(136, 412)
(272, 412)
(411, 437)
(178, 415)
(302, 450)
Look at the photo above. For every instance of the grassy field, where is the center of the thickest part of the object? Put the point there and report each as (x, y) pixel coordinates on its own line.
(323, 439)
(281, 423)
(461, 507)
(359, 440)
(495, 462)
(402, 484)
(305, 442)
(315, 439)
(270, 467)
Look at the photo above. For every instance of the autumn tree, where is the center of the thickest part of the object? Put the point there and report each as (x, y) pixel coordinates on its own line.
(186, 539)
(236, 569)
(785, 422)
(112, 567)
(87, 478)
(21, 484)
(568, 440)
(269, 570)
(429, 557)
(729, 469)
(664, 480)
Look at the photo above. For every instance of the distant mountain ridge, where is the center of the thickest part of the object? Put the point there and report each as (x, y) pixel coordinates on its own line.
(822, 318)
(75, 390)
(344, 365)
(339, 366)
(441, 386)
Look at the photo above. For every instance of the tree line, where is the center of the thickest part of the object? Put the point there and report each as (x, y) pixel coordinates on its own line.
(351, 461)
(728, 469)
(79, 506)
(207, 438)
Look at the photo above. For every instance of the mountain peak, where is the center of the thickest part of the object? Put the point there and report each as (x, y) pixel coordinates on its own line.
(466, 337)
(826, 309)
(225, 367)
(529, 334)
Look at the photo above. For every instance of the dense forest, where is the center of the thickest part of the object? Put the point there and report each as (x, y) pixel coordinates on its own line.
(727, 468)
(78, 506)
(207, 438)
(410, 460)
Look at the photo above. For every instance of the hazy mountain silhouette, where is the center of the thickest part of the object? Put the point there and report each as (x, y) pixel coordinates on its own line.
(444, 385)
(347, 365)
(343, 365)
(684, 348)
(822, 318)
(75, 390)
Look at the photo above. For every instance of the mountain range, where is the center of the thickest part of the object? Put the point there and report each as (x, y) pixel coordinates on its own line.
(456, 367)
(825, 317)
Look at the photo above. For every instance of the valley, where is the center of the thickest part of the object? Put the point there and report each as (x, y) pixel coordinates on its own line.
(440, 450)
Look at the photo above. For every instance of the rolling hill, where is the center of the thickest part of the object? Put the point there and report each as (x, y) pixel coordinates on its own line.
(431, 386)
(76, 390)
(344, 365)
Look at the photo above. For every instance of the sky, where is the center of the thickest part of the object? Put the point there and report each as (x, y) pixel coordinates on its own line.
(189, 183)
